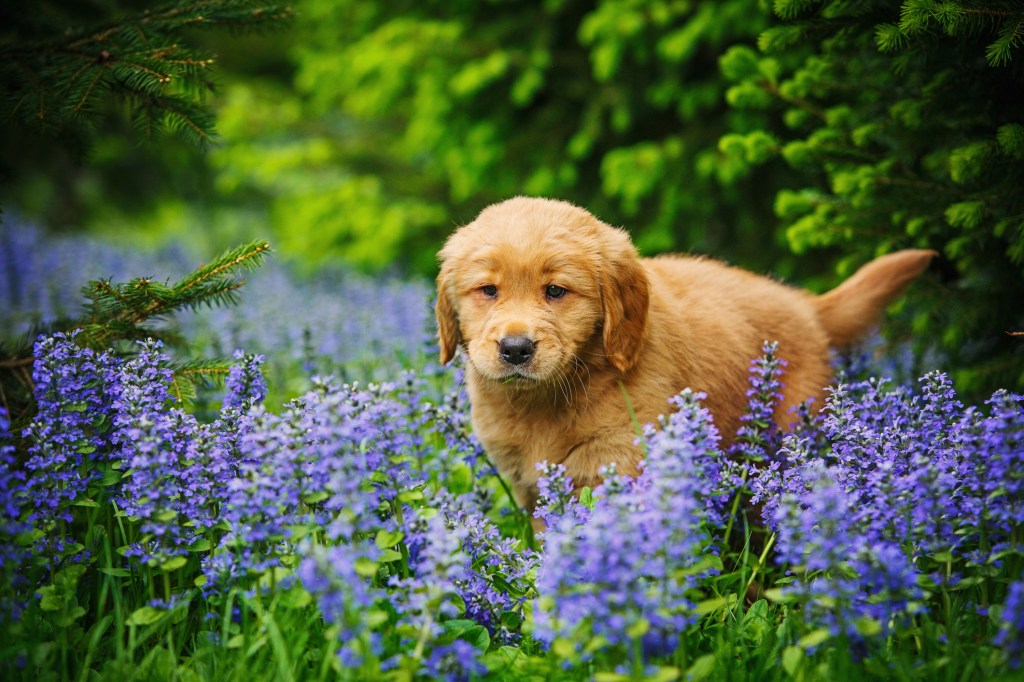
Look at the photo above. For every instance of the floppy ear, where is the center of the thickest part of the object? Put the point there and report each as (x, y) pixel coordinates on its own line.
(447, 321)
(625, 296)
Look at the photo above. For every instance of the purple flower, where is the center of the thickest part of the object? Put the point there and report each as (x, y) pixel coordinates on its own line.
(70, 433)
(338, 461)
(555, 500)
(245, 383)
(13, 553)
(906, 477)
(495, 578)
(345, 596)
(845, 576)
(157, 447)
(1011, 632)
(441, 564)
(625, 571)
(455, 662)
(758, 437)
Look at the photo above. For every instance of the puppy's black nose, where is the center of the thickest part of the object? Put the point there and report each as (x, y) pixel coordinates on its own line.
(516, 350)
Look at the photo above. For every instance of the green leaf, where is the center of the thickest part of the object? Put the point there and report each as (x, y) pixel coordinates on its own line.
(889, 37)
(375, 618)
(563, 648)
(68, 617)
(664, 674)
(510, 620)
(200, 545)
(638, 629)
(296, 598)
(460, 479)
(606, 676)
(389, 555)
(587, 497)
(146, 615)
(748, 95)
(366, 567)
(1011, 37)
(476, 75)
(814, 638)
(701, 668)
(173, 564)
(967, 163)
(711, 605)
(50, 599)
(779, 596)
(1011, 140)
(792, 657)
(469, 631)
(314, 498)
(868, 627)
(386, 538)
(504, 658)
(410, 496)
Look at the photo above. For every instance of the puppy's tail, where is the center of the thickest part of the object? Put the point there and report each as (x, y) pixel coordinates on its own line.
(849, 311)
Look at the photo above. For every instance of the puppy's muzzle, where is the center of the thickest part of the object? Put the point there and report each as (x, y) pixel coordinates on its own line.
(516, 350)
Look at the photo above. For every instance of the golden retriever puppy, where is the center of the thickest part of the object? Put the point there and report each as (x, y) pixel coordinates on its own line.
(555, 314)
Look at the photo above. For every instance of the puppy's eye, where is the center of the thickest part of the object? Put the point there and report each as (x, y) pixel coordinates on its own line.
(489, 290)
(555, 291)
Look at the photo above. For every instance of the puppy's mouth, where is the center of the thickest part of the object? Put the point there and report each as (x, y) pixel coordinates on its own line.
(517, 376)
(508, 375)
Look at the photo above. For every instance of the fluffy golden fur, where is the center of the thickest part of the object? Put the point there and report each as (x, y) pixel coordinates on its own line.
(555, 313)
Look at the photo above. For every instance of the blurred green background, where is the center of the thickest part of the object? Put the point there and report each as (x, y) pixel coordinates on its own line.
(796, 138)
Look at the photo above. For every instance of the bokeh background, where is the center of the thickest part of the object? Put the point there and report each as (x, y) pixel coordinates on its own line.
(796, 138)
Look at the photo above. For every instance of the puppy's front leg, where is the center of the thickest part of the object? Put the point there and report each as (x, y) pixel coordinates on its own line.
(588, 459)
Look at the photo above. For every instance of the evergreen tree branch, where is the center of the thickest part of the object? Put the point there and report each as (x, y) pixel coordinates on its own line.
(55, 79)
(186, 377)
(249, 256)
(117, 312)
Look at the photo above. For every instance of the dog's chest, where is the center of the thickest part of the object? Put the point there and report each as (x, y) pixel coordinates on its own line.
(517, 446)
(517, 443)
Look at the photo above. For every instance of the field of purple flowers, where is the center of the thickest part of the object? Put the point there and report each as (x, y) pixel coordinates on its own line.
(341, 323)
(358, 532)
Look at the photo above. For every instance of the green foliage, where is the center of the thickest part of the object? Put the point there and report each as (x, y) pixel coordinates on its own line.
(413, 116)
(905, 123)
(119, 312)
(60, 74)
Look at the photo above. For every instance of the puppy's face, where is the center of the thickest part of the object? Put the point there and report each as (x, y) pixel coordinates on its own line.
(527, 288)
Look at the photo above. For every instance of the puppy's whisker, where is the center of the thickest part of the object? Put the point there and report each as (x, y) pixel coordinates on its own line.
(577, 363)
(563, 386)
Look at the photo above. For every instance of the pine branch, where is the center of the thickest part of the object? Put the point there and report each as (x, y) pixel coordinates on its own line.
(188, 376)
(132, 303)
(1011, 37)
(790, 9)
(248, 256)
(59, 80)
(118, 312)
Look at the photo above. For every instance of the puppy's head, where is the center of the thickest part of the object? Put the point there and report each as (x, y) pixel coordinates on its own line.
(534, 285)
